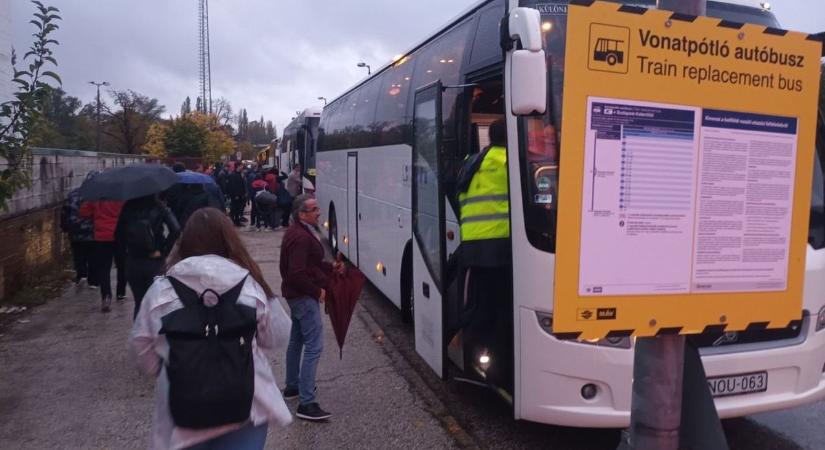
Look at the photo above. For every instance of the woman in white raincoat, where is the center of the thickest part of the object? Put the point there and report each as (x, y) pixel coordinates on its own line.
(211, 255)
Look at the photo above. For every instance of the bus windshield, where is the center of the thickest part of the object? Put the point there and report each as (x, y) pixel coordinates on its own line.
(539, 137)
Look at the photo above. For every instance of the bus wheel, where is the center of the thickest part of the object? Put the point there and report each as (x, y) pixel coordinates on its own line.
(407, 298)
(611, 59)
(333, 230)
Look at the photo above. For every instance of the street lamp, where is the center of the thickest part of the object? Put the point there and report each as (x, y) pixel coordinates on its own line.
(98, 84)
(324, 99)
(363, 64)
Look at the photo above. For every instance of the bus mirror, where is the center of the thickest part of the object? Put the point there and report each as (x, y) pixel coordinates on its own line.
(528, 82)
(525, 25)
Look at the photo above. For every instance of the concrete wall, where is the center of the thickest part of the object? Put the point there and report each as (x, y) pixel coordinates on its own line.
(30, 238)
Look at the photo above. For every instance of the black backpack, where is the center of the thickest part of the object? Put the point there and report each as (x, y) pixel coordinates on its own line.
(210, 368)
(141, 236)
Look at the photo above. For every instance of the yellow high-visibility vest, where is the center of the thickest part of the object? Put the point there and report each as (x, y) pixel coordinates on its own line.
(485, 206)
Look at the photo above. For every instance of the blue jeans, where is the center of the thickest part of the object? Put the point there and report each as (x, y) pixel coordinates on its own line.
(307, 335)
(249, 437)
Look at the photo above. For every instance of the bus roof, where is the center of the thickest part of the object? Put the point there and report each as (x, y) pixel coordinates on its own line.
(750, 3)
(430, 37)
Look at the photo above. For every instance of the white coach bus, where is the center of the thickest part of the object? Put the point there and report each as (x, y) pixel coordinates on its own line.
(298, 143)
(402, 230)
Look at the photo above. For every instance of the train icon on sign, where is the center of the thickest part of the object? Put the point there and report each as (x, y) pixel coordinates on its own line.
(609, 48)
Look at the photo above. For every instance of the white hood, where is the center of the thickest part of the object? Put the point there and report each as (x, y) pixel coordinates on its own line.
(212, 271)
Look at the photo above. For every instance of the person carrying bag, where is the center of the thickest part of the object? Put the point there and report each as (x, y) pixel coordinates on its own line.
(201, 332)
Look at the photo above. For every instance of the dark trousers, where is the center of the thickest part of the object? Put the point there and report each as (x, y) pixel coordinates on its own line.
(488, 321)
(82, 258)
(120, 263)
(236, 208)
(102, 255)
(141, 273)
(285, 213)
(253, 214)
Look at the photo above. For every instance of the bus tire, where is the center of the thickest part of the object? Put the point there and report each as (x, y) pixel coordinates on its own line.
(612, 59)
(332, 233)
(407, 298)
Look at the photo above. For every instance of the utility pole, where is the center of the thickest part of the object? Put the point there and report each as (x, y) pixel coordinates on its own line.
(98, 84)
(204, 57)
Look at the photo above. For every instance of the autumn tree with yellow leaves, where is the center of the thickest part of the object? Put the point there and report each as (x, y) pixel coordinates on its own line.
(190, 135)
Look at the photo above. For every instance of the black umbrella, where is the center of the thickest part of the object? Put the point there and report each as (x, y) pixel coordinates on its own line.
(128, 182)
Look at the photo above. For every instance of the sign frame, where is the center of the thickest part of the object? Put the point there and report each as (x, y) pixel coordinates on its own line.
(625, 77)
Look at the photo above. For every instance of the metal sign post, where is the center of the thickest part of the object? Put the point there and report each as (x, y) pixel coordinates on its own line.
(658, 364)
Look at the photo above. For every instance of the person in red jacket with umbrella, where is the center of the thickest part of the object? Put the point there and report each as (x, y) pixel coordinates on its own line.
(104, 214)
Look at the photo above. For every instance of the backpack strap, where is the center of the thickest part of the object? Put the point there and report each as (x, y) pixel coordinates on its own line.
(187, 295)
(231, 296)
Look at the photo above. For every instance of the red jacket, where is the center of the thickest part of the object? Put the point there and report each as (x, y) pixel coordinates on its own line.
(303, 269)
(272, 182)
(104, 213)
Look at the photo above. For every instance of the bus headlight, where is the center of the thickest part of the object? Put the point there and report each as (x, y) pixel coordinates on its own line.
(546, 324)
(820, 319)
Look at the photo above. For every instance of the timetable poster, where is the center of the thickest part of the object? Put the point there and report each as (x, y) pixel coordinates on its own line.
(683, 200)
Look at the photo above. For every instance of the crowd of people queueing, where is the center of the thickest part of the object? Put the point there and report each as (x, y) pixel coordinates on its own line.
(203, 311)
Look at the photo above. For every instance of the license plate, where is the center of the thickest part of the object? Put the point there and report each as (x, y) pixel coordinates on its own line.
(744, 383)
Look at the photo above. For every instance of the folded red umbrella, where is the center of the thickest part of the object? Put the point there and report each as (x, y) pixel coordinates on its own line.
(342, 295)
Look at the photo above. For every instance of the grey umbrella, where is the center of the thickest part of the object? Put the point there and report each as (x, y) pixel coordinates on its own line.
(128, 182)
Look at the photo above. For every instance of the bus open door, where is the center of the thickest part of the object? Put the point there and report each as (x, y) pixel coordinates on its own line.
(429, 250)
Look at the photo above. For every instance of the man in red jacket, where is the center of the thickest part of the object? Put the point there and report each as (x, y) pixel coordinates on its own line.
(105, 214)
(304, 273)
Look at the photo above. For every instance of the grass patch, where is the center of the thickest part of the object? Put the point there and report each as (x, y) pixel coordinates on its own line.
(40, 290)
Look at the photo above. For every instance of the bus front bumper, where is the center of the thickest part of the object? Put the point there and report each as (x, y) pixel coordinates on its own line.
(554, 373)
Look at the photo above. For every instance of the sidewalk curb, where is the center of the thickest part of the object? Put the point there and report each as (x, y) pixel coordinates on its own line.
(433, 405)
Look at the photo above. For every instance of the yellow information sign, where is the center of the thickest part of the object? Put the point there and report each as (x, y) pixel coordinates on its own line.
(686, 173)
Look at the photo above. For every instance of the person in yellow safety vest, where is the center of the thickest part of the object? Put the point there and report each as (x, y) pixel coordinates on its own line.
(486, 256)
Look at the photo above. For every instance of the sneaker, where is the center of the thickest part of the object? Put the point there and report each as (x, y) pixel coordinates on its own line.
(106, 304)
(312, 411)
(80, 284)
(121, 298)
(292, 393)
(94, 286)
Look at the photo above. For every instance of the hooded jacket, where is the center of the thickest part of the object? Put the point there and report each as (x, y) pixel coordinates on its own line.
(151, 349)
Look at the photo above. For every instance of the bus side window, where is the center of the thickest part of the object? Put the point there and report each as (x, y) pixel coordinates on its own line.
(363, 122)
(390, 112)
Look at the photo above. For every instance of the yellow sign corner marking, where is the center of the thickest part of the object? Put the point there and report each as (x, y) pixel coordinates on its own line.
(724, 78)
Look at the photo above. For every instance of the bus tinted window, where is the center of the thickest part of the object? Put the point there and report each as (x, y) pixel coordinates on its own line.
(486, 49)
(364, 117)
(340, 117)
(390, 116)
(442, 60)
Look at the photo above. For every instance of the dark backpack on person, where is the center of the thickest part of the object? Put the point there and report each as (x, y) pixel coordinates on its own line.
(468, 170)
(211, 368)
(141, 235)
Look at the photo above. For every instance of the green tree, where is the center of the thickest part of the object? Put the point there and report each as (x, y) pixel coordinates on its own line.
(185, 137)
(186, 107)
(128, 125)
(19, 115)
(61, 125)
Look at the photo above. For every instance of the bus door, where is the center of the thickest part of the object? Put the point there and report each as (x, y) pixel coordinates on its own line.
(428, 228)
(351, 236)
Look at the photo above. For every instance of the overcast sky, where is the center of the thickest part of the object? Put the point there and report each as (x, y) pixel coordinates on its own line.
(270, 57)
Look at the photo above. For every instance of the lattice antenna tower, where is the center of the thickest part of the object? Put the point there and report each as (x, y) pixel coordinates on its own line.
(203, 55)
